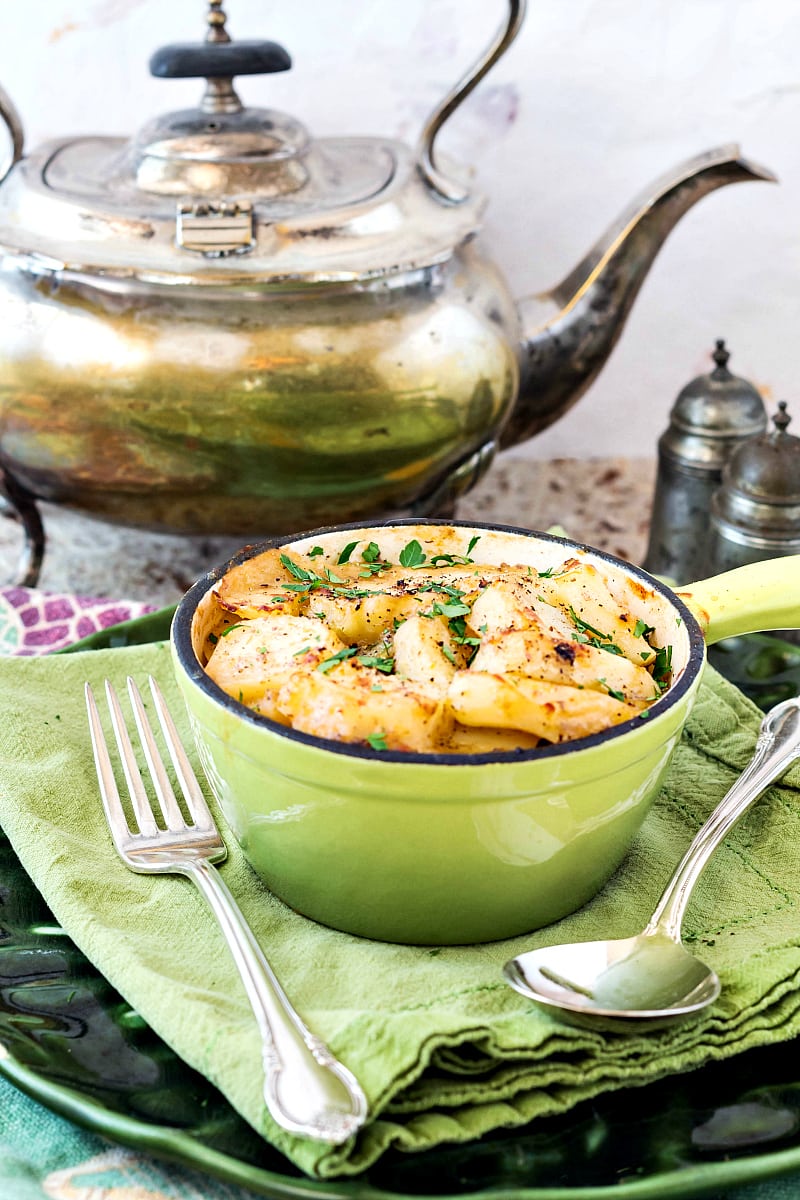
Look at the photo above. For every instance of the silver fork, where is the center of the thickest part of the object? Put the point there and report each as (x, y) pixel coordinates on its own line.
(306, 1089)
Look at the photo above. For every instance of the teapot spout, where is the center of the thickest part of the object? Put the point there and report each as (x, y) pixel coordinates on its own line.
(569, 332)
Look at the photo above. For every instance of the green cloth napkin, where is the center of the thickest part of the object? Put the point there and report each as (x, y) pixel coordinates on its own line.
(444, 1049)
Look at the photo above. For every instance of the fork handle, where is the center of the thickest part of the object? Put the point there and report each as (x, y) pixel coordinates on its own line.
(306, 1089)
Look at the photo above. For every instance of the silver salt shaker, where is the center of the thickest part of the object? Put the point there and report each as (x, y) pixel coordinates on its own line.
(755, 514)
(712, 416)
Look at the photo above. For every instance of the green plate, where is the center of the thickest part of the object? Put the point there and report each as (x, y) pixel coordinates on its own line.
(74, 1045)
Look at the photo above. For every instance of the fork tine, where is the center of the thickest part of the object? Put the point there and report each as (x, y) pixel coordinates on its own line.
(195, 800)
(109, 793)
(163, 788)
(140, 802)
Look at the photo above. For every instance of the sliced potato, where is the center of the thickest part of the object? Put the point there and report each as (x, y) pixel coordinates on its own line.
(424, 653)
(533, 653)
(582, 591)
(560, 655)
(361, 619)
(254, 659)
(352, 703)
(476, 740)
(551, 711)
(256, 587)
(518, 602)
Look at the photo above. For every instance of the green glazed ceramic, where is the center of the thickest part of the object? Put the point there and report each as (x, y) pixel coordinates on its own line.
(443, 849)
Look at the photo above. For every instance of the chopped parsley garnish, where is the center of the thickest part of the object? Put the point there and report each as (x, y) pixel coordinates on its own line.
(297, 653)
(449, 655)
(314, 551)
(295, 569)
(230, 629)
(212, 637)
(412, 555)
(373, 563)
(359, 593)
(346, 552)
(380, 664)
(662, 667)
(327, 664)
(377, 741)
(585, 627)
(642, 629)
(457, 609)
(444, 589)
(594, 637)
(456, 560)
(614, 694)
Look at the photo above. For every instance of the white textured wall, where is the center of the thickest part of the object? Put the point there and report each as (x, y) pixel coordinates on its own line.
(595, 99)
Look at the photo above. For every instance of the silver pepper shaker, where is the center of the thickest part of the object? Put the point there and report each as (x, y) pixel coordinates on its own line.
(755, 514)
(712, 416)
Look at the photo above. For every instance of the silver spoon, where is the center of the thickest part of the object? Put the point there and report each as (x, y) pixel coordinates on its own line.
(651, 980)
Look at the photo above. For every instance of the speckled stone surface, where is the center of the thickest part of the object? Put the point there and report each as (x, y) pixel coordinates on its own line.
(604, 502)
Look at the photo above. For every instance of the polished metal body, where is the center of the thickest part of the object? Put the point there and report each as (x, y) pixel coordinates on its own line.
(755, 514)
(224, 325)
(712, 416)
(306, 1089)
(651, 979)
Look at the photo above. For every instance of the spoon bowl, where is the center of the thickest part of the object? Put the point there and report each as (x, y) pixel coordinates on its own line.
(651, 980)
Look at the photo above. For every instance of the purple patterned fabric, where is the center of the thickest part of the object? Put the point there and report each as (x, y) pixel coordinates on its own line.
(34, 622)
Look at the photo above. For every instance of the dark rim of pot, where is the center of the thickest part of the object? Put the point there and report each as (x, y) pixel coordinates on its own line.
(182, 641)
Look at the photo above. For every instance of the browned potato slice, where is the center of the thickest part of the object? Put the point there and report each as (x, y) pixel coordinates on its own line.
(361, 619)
(256, 587)
(352, 703)
(421, 649)
(548, 710)
(254, 659)
(532, 652)
(517, 603)
(583, 591)
(476, 740)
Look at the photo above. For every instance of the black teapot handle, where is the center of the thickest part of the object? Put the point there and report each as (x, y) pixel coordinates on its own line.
(450, 189)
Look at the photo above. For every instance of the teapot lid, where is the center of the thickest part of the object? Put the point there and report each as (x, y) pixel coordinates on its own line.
(226, 191)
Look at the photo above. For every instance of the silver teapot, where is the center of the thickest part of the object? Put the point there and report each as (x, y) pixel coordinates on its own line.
(226, 326)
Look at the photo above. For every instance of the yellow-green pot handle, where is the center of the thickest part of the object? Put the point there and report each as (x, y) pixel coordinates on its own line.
(762, 595)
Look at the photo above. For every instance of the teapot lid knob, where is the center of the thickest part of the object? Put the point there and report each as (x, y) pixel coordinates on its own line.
(781, 419)
(217, 60)
(721, 357)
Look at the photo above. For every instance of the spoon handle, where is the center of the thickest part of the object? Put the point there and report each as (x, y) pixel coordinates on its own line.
(777, 747)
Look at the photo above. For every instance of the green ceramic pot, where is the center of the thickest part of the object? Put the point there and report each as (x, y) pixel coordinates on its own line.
(443, 849)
